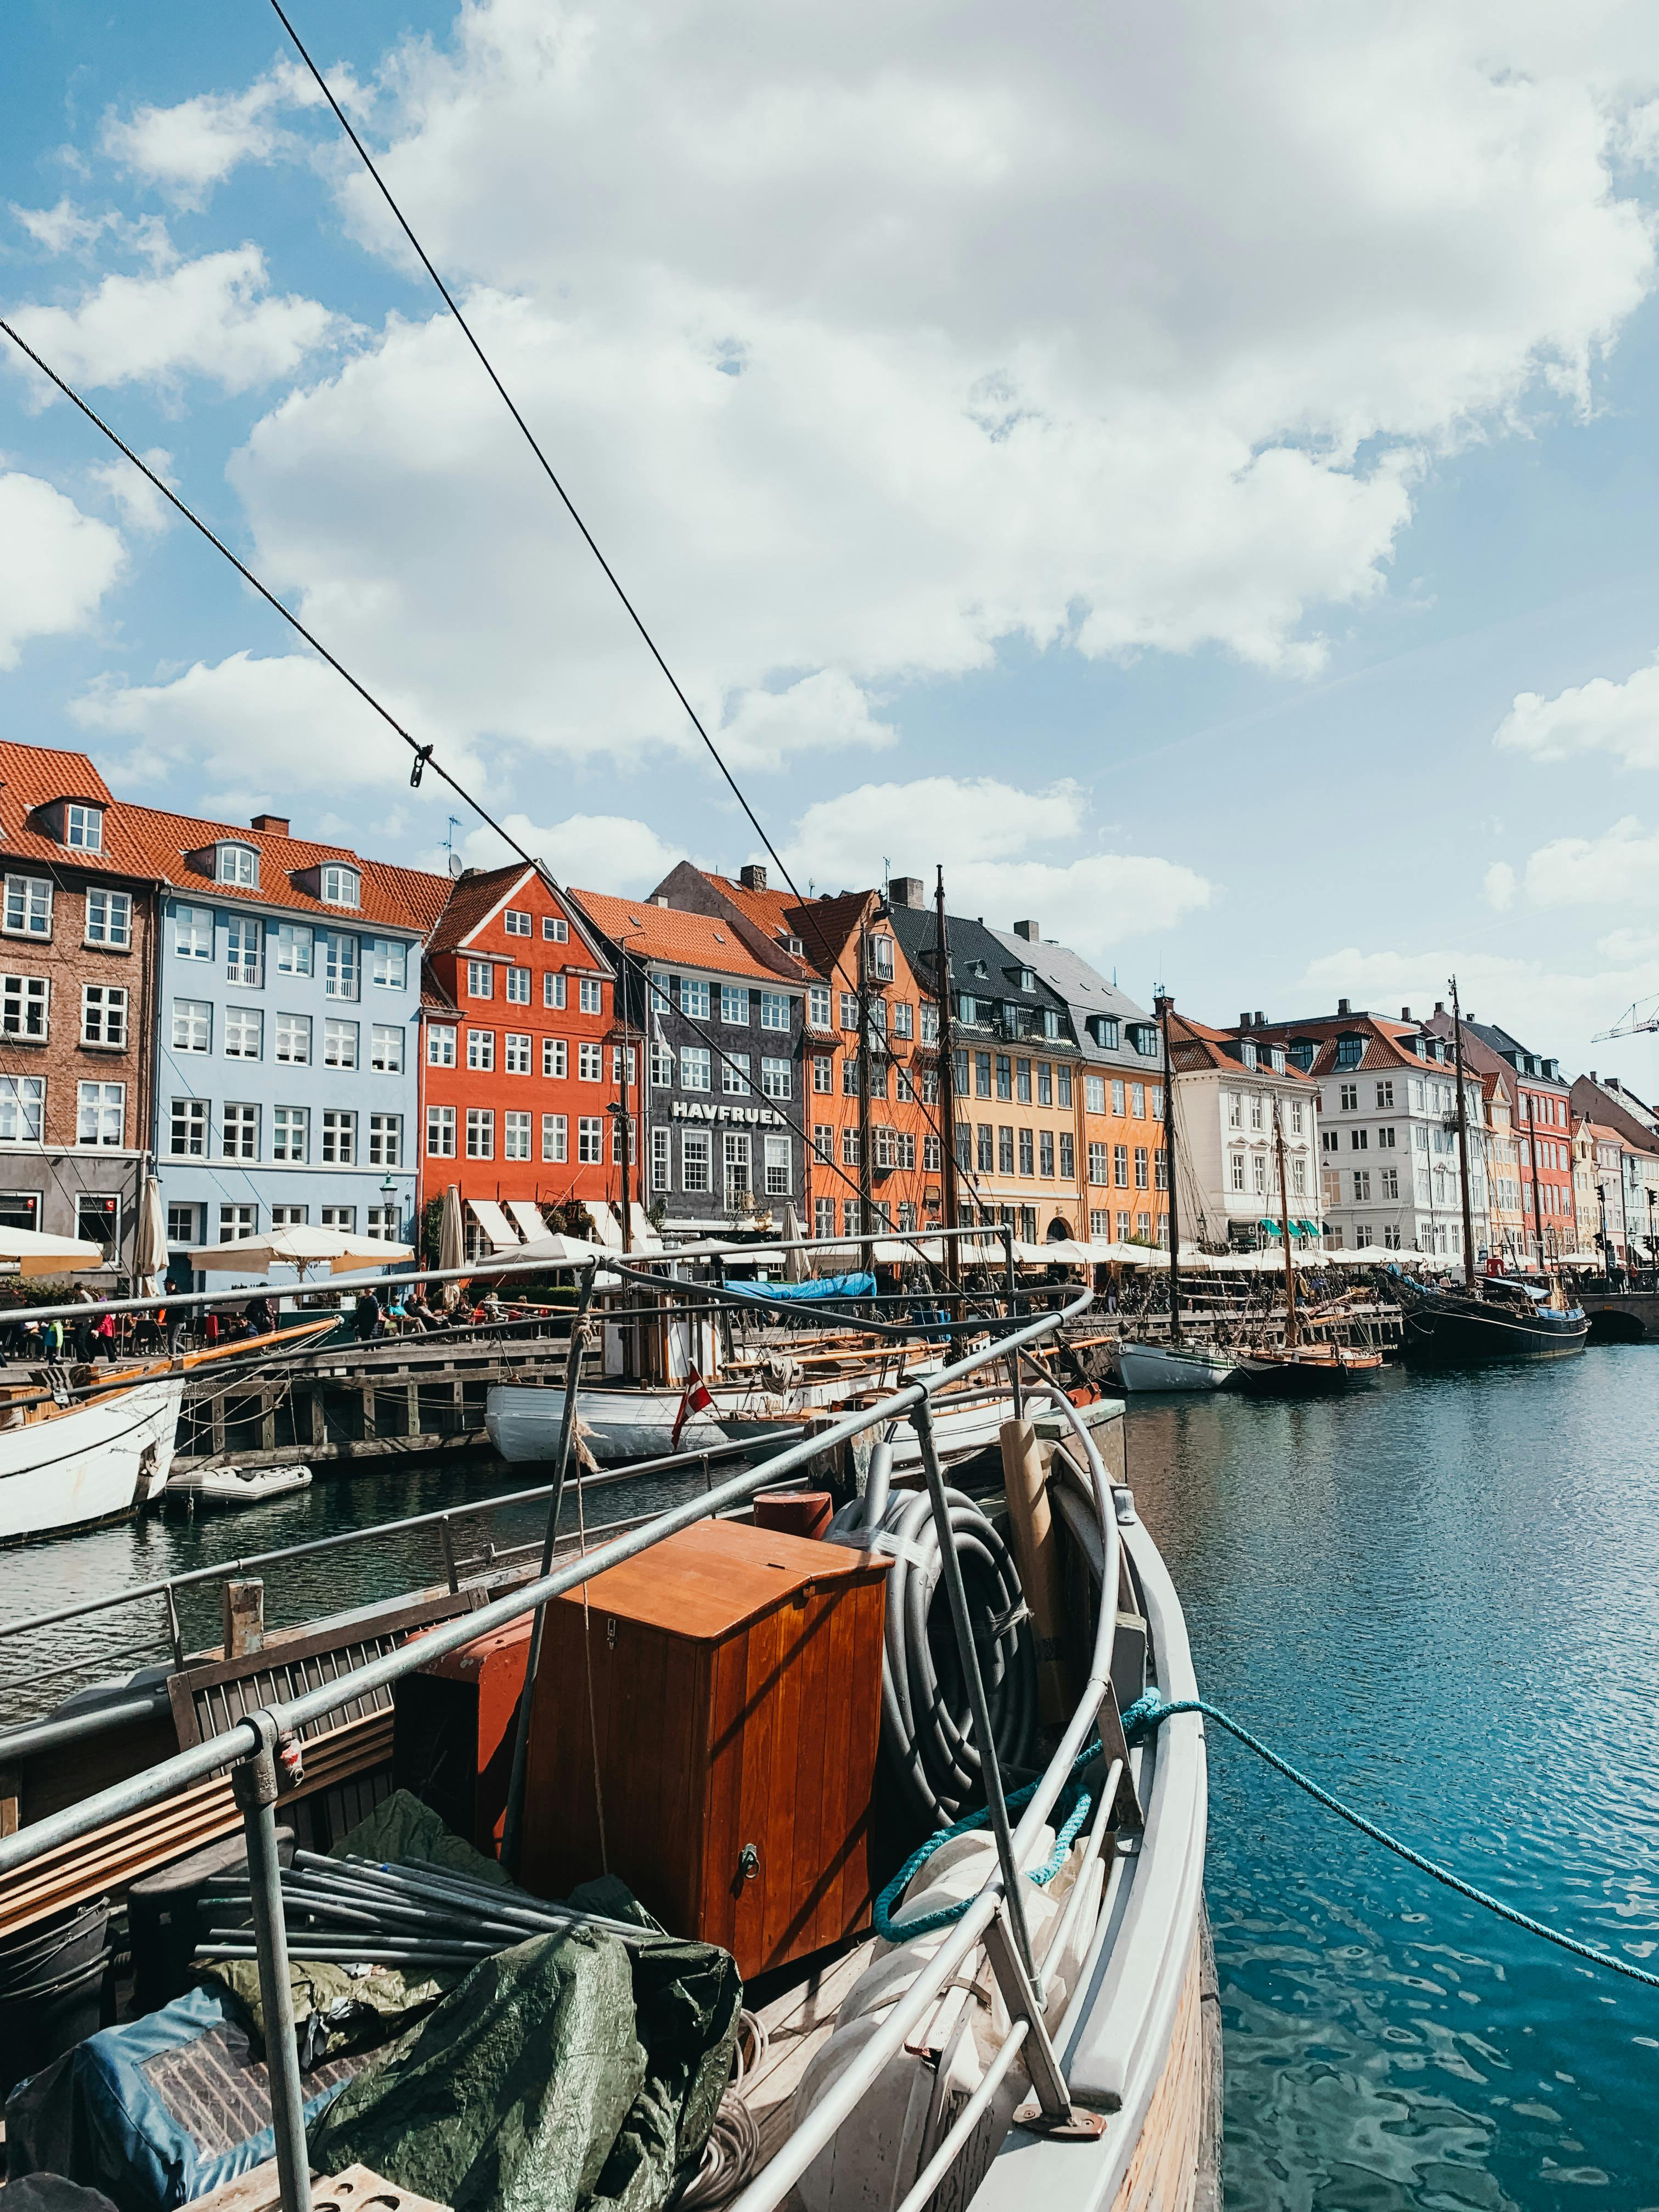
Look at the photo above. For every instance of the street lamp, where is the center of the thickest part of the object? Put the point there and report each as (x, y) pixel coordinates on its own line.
(1607, 1248)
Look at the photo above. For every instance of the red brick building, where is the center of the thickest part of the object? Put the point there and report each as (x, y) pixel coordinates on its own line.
(518, 1068)
(77, 1015)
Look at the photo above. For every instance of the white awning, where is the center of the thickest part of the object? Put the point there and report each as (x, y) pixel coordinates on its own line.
(528, 1218)
(503, 1237)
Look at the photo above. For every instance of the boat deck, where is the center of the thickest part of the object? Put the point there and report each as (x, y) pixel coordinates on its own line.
(799, 2021)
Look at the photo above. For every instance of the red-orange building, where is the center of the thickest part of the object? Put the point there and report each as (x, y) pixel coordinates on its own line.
(518, 1070)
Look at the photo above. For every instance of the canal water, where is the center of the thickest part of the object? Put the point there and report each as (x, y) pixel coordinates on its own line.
(1441, 1596)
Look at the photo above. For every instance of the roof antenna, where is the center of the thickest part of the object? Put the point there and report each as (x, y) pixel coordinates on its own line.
(449, 845)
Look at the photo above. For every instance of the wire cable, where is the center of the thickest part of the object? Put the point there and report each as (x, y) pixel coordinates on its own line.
(531, 439)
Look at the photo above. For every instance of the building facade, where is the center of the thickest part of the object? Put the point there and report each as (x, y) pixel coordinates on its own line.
(1540, 1132)
(876, 1141)
(720, 1013)
(1017, 1073)
(290, 978)
(524, 1068)
(76, 1004)
(1119, 1110)
(1616, 1109)
(1389, 1141)
(1235, 1099)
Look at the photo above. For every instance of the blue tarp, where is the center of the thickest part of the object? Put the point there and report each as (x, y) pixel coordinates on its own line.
(827, 1286)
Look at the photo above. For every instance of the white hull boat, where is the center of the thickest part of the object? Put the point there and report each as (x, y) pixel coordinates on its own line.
(239, 1486)
(71, 1467)
(524, 1420)
(1166, 1367)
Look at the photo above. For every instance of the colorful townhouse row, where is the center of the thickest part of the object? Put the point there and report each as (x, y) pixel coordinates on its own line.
(291, 1033)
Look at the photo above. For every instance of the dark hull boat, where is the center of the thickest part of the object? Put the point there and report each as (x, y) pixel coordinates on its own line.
(1497, 1320)
(1307, 1370)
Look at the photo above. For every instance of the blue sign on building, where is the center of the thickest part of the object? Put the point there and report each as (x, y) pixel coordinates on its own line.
(286, 1072)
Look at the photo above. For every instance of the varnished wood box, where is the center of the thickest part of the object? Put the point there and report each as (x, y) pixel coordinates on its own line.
(736, 1690)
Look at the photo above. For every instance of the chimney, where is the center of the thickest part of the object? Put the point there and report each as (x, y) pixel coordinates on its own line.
(906, 891)
(1594, 1076)
(1405, 1013)
(1028, 930)
(277, 824)
(1260, 1019)
(1244, 1019)
(1343, 1007)
(753, 877)
(1440, 1006)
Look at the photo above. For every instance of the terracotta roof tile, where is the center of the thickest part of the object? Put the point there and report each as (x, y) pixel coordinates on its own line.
(407, 898)
(663, 933)
(470, 899)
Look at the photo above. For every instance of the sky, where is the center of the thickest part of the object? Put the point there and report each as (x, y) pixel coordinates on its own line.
(1191, 471)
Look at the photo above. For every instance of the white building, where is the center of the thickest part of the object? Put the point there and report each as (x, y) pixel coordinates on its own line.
(1387, 1111)
(1228, 1092)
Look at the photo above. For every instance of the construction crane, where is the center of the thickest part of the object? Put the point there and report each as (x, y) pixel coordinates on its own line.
(1631, 1022)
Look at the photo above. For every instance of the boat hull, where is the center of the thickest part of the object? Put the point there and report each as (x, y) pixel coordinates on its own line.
(1452, 1326)
(524, 1420)
(1157, 1367)
(1303, 1378)
(101, 1461)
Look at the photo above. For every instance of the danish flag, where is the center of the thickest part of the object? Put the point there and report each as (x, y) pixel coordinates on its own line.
(696, 1400)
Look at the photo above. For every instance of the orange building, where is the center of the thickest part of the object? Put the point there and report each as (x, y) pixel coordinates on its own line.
(518, 1068)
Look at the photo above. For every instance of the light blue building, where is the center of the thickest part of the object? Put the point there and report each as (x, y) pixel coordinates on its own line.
(286, 1067)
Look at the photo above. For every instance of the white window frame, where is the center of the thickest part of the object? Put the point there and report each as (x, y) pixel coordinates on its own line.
(83, 828)
(109, 919)
(388, 964)
(290, 1134)
(441, 1044)
(518, 987)
(590, 1139)
(662, 1158)
(27, 909)
(481, 1132)
(515, 1054)
(240, 1120)
(340, 885)
(338, 1146)
(556, 1137)
(590, 1062)
(555, 929)
(100, 1101)
(556, 1059)
(480, 980)
(342, 965)
(25, 1006)
(187, 1117)
(385, 1049)
(296, 944)
(441, 1125)
(517, 1132)
(553, 990)
(386, 1140)
(239, 1023)
(590, 994)
(104, 1016)
(341, 1043)
(517, 923)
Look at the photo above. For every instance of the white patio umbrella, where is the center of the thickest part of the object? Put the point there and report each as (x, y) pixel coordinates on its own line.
(36, 1254)
(150, 1245)
(339, 1250)
(797, 1267)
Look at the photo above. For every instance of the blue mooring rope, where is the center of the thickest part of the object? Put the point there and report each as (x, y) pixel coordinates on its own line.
(1151, 1711)
(1042, 1875)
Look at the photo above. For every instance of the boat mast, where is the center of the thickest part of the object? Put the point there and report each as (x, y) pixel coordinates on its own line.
(1164, 1005)
(1525, 1097)
(866, 1203)
(947, 1086)
(1284, 1229)
(1463, 1142)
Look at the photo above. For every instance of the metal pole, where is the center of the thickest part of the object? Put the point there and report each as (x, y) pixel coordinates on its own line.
(1014, 1382)
(254, 1785)
(513, 1820)
(921, 1418)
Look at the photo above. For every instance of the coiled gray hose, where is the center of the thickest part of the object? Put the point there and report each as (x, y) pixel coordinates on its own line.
(927, 1725)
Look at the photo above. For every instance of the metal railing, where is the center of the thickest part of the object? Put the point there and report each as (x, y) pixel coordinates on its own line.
(994, 1917)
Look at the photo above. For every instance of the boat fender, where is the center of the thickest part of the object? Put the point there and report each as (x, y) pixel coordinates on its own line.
(957, 1871)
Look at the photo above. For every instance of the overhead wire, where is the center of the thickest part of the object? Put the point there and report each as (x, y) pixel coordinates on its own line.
(531, 441)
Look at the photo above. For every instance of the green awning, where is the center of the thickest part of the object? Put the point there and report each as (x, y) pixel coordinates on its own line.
(1271, 1227)
(1306, 1228)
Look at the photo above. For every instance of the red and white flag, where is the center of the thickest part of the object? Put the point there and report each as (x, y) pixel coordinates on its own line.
(696, 1400)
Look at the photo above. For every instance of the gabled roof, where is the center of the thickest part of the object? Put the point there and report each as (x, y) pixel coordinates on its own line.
(1608, 1112)
(825, 927)
(699, 941)
(402, 898)
(1085, 992)
(477, 897)
(1195, 1047)
(1384, 1045)
(33, 776)
(981, 963)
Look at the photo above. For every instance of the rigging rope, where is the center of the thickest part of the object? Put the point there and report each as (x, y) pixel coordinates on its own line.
(1151, 1711)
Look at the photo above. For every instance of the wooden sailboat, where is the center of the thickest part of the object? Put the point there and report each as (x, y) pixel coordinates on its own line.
(1296, 1368)
(1492, 1317)
(1176, 1365)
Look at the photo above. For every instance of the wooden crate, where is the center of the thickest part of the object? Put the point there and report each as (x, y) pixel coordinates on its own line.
(736, 1690)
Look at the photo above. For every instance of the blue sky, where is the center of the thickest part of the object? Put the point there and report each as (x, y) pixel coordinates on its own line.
(1139, 463)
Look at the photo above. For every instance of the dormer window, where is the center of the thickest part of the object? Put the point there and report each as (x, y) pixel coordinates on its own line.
(1350, 1051)
(1276, 1058)
(236, 864)
(1247, 1053)
(796, 947)
(1027, 980)
(1105, 1030)
(83, 828)
(341, 886)
(881, 958)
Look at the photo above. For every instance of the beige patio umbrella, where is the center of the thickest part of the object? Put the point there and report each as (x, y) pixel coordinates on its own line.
(340, 1251)
(36, 1254)
(797, 1267)
(149, 1243)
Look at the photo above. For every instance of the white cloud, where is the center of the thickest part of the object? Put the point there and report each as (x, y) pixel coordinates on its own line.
(1619, 868)
(56, 563)
(214, 318)
(1599, 716)
(762, 729)
(142, 506)
(63, 228)
(261, 730)
(1554, 1010)
(598, 852)
(892, 337)
(1499, 883)
(186, 150)
(984, 831)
